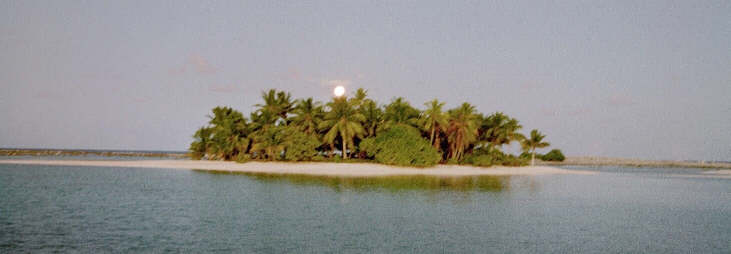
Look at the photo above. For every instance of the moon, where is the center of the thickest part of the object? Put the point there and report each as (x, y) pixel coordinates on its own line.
(339, 91)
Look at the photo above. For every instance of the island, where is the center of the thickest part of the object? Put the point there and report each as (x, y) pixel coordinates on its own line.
(358, 129)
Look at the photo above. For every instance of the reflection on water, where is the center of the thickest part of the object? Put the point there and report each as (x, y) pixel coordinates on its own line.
(105, 209)
(388, 183)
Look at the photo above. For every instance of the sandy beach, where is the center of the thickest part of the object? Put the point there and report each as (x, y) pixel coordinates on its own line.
(307, 168)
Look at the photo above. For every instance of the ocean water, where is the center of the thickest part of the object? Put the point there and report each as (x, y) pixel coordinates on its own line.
(618, 210)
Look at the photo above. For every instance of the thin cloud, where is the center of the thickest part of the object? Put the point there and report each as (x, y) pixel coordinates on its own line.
(222, 88)
(290, 74)
(579, 111)
(620, 100)
(336, 82)
(201, 65)
(530, 86)
(194, 64)
(295, 74)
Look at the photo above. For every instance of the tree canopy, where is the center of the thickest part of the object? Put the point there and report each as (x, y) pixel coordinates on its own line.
(396, 133)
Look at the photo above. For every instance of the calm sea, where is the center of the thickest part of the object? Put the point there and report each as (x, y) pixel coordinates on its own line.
(619, 210)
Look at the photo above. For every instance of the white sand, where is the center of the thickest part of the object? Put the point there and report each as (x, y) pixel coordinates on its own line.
(719, 172)
(307, 168)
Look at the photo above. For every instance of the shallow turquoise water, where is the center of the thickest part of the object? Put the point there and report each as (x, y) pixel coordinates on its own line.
(619, 210)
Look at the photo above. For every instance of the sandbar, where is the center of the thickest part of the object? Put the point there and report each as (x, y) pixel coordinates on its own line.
(308, 168)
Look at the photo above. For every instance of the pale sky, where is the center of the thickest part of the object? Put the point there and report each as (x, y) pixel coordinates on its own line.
(639, 79)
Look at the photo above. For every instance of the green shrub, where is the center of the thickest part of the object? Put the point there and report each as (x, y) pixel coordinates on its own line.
(514, 161)
(243, 157)
(486, 157)
(368, 146)
(480, 160)
(337, 158)
(401, 146)
(553, 155)
(319, 157)
(452, 161)
(301, 147)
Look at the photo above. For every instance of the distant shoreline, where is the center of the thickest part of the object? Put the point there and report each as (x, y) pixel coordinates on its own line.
(609, 161)
(309, 168)
(570, 161)
(85, 152)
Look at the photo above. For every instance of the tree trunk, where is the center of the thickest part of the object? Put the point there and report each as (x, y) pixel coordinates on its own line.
(533, 157)
(437, 143)
(459, 147)
(344, 147)
(451, 151)
(432, 135)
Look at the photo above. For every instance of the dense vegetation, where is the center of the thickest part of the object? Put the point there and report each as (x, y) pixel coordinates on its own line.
(553, 155)
(397, 133)
(401, 146)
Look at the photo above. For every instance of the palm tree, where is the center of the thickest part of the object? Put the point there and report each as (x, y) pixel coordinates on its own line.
(535, 141)
(360, 97)
(229, 117)
(373, 117)
(276, 103)
(271, 142)
(230, 131)
(308, 115)
(370, 110)
(284, 99)
(202, 142)
(462, 129)
(344, 121)
(433, 120)
(262, 120)
(499, 129)
(400, 112)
